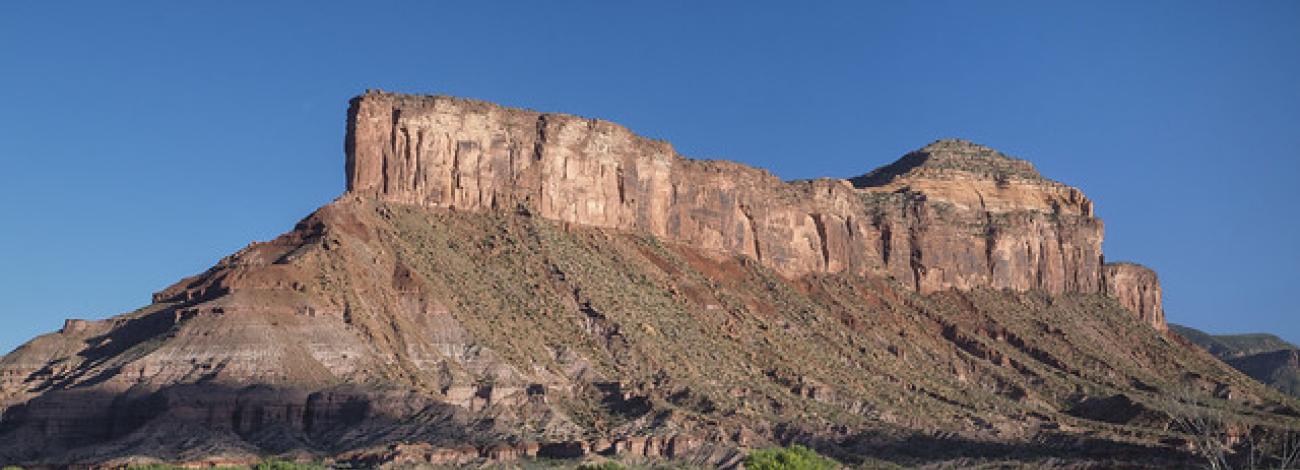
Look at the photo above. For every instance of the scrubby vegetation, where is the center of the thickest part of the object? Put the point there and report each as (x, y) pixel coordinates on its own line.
(286, 465)
(795, 457)
(272, 464)
(606, 465)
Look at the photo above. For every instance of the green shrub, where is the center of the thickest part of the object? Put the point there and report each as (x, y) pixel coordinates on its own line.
(795, 457)
(272, 464)
(606, 465)
(286, 465)
(160, 466)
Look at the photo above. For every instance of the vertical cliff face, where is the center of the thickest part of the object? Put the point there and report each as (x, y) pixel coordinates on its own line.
(988, 221)
(950, 215)
(1138, 289)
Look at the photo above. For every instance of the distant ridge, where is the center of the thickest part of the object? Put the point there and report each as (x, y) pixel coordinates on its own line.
(1264, 357)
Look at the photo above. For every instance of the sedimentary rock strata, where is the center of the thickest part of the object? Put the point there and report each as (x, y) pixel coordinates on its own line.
(500, 284)
(950, 215)
(1138, 289)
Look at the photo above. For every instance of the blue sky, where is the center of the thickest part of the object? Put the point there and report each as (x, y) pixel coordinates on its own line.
(140, 142)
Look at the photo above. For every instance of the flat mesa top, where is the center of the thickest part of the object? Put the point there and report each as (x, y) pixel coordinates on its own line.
(944, 159)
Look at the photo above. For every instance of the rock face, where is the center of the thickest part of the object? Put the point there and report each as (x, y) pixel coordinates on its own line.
(950, 215)
(1138, 289)
(501, 284)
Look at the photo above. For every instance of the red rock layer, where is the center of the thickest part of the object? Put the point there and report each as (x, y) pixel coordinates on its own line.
(951, 215)
(1138, 289)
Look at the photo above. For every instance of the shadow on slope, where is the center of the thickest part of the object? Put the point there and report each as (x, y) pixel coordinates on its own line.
(208, 422)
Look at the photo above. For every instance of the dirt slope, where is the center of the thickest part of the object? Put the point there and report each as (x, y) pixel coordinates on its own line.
(372, 324)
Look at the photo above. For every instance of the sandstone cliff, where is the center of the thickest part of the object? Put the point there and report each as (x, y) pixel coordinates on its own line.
(950, 215)
(500, 284)
(1138, 289)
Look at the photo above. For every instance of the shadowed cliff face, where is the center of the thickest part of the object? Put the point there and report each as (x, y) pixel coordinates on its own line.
(1262, 356)
(501, 283)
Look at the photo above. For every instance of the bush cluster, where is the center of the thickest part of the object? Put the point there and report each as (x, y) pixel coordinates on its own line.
(795, 457)
(606, 465)
(263, 465)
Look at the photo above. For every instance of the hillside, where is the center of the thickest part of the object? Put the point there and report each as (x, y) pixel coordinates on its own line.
(501, 284)
(1279, 369)
(1228, 346)
(1262, 356)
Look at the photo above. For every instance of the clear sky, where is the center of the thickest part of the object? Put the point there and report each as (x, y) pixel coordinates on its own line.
(140, 142)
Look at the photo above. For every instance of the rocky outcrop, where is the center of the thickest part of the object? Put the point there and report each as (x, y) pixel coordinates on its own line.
(951, 215)
(1138, 289)
(972, 217)
(680, 309)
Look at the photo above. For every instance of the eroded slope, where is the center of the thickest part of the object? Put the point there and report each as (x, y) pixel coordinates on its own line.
(499, 283)
(496, 335)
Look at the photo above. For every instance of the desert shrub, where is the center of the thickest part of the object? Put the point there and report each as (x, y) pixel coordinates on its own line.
(606, 465)
(795, 457)
(161, 466)
(272, 464)
(286, 465)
